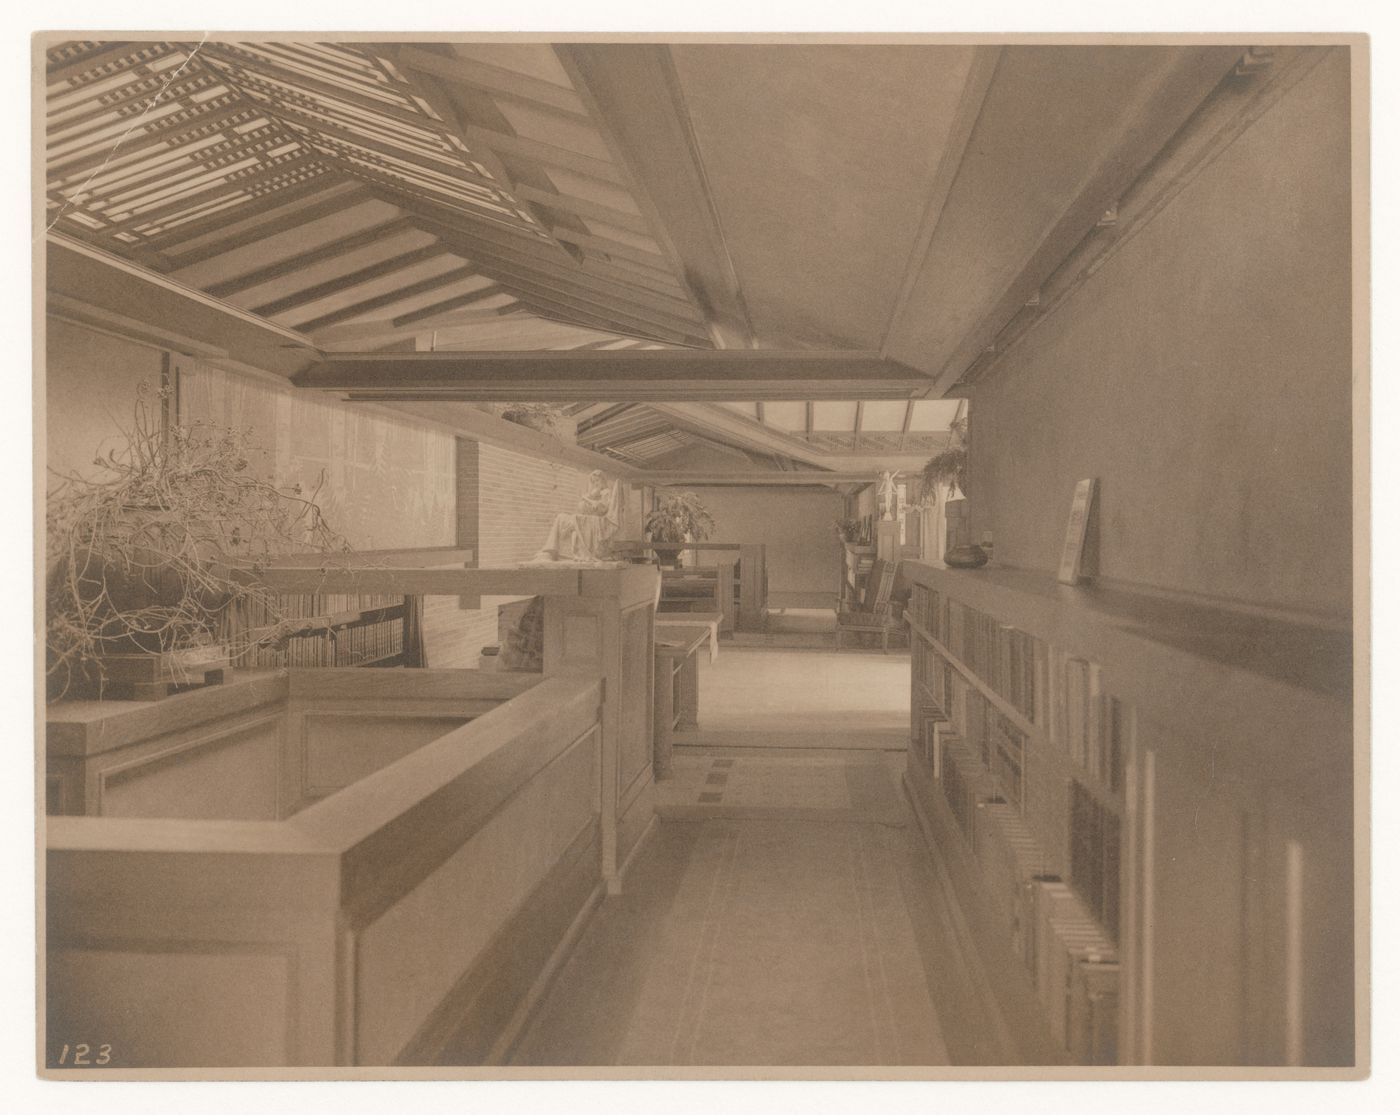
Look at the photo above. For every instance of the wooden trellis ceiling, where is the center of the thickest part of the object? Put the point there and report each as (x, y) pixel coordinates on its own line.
(897, 207)
(359, 193)
(773, 433)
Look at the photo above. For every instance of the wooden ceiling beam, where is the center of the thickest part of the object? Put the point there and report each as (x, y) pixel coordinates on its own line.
(609, 320)
(575, 281)
(632, 93)
(626, 375)
(543, 154)
(612, 248)
(289, 265)
(979, 80)
(365, 336)
(351, 280)
(369, 305)
(580, 321)
(246, 223)
(443, 220)
(498, 82)
(437, 309)
(735, 428)
(603, 305)
(441, 101)
(757, 477)
(120, 288)
(580, 207)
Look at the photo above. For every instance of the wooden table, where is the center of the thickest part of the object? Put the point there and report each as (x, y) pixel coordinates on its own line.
(677, 694)
(667, 620)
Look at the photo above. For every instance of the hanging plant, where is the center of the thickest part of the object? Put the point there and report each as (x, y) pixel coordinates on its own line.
(949, 466)
(150, 555)
(545, 417)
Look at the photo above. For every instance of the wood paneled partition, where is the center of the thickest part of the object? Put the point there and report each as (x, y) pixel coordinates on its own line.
(387, 864)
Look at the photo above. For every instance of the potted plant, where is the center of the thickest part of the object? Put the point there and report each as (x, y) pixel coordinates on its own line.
(849, 530)
(147, 557)
(678, 518)
(949, 466)
(544, 417)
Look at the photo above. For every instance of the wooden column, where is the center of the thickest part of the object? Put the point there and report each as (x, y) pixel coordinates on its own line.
(753, 580)
(608, 629)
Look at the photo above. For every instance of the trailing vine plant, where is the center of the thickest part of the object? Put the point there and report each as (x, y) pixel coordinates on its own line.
(149, 554)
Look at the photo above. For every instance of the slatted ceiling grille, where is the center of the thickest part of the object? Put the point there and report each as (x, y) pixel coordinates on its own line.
(364, 116)
(258, 171)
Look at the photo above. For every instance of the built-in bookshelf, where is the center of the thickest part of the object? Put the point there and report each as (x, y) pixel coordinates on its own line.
(1151, 795)
(1017, 739)
(322, 629)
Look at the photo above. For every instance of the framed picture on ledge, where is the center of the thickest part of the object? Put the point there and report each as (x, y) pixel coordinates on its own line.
(1072, 556)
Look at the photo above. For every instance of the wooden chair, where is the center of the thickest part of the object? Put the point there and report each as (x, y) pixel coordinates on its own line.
(874, 614)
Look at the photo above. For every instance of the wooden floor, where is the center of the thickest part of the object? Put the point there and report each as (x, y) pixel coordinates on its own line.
(769, 697)
(786, 912)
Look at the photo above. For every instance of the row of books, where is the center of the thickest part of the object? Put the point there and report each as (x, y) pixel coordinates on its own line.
(1008, 659)
(1092, 724)
(315, 629)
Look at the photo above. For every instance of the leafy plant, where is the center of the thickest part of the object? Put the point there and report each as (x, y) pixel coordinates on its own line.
(149, 555)
(949, 466)
(545, 417)
(849, 530)
(679, 518)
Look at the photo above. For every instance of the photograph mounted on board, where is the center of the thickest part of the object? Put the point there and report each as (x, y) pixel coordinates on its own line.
(451, 666)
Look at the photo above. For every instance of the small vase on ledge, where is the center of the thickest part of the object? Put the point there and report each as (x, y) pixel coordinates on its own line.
(971, 556)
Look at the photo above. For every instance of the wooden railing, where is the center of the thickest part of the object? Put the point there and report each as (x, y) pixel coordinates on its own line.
(294, 931)
(476, 854)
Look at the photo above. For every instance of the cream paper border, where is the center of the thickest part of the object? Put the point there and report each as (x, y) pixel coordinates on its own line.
(1360, 50)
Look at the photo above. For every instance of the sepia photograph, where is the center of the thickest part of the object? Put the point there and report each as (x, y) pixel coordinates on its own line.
(678, 556)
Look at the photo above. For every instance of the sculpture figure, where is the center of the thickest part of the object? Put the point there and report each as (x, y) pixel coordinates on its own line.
(584, 535)
(889, 496)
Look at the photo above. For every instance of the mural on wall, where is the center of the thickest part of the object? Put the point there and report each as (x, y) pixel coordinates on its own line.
(384, 483)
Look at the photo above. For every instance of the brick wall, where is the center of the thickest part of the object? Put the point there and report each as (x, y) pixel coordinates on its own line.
(519, 496)
(506, 503)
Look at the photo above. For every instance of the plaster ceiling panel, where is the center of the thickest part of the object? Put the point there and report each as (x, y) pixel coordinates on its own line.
(933, 414)
(821, 160)
(883, 415)
(785, 415)
(833, 416)
(1061, 131)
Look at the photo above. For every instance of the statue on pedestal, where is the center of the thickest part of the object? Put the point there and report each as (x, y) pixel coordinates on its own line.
(584, 534)
(888, 495)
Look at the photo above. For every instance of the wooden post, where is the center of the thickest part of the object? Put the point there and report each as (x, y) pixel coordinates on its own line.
(887, 540)
(753, 577)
